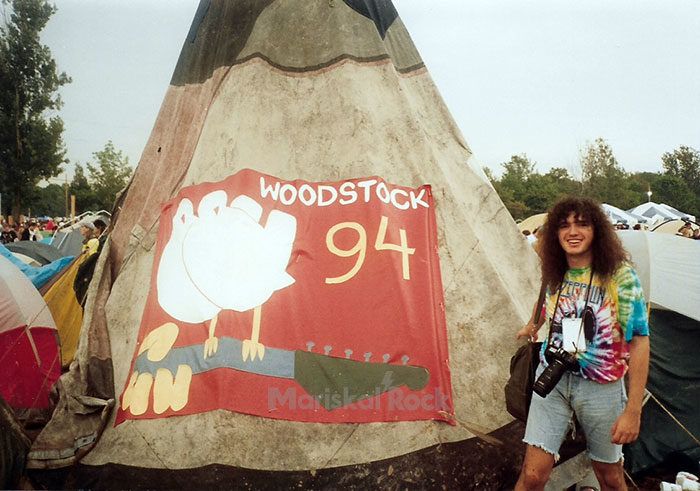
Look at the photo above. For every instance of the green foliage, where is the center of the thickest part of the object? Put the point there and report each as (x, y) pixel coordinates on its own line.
(526, 192)
(109, 174)
(81, 189)
(603, 177)
(31, 146)
(683, 164)
(50, 201)
(674, 191)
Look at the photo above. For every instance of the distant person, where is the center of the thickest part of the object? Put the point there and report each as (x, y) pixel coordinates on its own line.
(91, 245)
(686, 230)
(696, 234)
(529, 236)
(637, 227)
(23, 232)
(8, 234)
(100, 234)
(90, 242)
(34, 232)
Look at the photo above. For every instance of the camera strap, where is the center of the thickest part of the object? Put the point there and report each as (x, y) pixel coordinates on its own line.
(556, 306)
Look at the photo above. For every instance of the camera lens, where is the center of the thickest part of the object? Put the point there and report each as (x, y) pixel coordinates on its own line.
(549, 377)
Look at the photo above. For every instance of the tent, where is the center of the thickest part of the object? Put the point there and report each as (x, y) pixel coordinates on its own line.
(671, 226)
(664, 262)
(532, 222)
(43, 253)
(312, 93)
(617, 215)
(68, 240)
(658, 212)
(677, 212)
(671, 281)
(29, 261)
(29, 353)
(66, 310)
(639, 218)
(39, 276)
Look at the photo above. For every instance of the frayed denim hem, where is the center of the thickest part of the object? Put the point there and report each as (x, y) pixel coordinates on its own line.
(542, 447)
(620, 460)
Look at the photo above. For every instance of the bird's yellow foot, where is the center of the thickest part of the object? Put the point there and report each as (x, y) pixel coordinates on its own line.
(135, 397)
(159, 341)
(252, 348)
(167, 392)
(210, 346)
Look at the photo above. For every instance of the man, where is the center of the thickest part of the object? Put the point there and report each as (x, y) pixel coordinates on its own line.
(100, 227)
(8, 234)
(90, 243)
(686, 230)
(34, 232)
(596, 312)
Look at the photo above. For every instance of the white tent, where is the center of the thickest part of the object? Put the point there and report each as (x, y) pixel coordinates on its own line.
(668, 269)
(671, 227)
(616, 215)
(532, 222)
(656, 212)
(639, 218)
(677, 212)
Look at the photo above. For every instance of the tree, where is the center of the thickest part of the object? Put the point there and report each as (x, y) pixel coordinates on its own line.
(80, 188)
(603, 177)
(543, 191)
(31, 145)
(50, 200)
(109, 174)
(674, 191)
(684, 164)
(516, 173)
(524, 191)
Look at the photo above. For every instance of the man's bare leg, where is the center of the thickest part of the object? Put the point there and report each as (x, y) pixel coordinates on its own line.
(537, 467)
(610, 476)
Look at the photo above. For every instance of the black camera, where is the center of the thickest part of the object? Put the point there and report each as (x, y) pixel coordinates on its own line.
(558, 361)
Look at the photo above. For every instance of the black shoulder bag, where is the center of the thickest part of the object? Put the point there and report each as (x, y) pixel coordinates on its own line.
(523, 364)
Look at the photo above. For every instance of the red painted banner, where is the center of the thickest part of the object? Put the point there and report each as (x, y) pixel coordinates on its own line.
(294, 300)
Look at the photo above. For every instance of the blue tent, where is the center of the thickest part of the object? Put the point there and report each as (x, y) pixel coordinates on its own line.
(39, 276)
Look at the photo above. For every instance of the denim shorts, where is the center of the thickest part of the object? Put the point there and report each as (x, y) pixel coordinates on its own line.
(596, 405)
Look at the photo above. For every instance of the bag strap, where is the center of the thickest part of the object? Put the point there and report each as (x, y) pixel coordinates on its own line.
(540, 300)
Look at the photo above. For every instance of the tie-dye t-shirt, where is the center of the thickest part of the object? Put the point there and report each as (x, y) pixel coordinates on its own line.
(619, 313)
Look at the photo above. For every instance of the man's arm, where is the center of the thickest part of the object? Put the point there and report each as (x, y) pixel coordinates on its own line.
(626, 428)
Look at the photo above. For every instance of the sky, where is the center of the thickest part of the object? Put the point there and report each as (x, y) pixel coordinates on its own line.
(537, 77)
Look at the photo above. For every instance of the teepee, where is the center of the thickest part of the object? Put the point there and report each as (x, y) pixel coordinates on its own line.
(308, 93)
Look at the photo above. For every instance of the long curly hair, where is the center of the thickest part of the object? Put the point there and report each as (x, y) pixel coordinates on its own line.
(608, 253)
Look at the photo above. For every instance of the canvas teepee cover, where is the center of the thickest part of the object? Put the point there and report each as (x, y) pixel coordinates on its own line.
(303, 92)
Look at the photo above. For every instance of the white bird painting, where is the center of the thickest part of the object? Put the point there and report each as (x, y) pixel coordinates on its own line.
(222, 258)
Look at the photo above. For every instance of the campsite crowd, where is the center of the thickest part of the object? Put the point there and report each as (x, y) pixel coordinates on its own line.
(24, 231)
(43, 228)
(28, 229)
